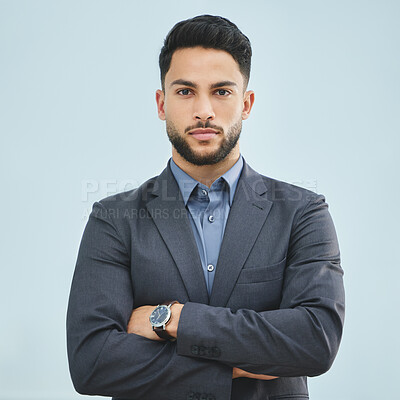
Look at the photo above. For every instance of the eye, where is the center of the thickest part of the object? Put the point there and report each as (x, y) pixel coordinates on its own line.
(184, 92)
(223, 92)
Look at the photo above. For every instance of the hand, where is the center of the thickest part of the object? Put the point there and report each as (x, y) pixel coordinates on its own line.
(172, 326)
(240, 373)
(139, 322)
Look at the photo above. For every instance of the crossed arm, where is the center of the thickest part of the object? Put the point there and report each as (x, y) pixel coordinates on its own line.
(139, 324)
(110, 358)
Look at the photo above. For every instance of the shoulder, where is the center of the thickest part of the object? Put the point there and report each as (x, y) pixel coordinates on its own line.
(301, 208)
(284, 191)
(279, 192)
(123, 206)
(130, 198)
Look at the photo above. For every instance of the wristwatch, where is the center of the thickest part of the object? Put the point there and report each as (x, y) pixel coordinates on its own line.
(160, 317)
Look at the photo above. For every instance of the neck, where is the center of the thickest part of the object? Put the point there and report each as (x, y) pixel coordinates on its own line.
(206, 174)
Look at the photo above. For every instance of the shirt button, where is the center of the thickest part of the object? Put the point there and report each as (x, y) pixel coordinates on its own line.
(210, 268)
(211, 218)
(204, 192)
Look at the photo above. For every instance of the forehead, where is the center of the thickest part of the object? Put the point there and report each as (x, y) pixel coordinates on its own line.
(201, 65)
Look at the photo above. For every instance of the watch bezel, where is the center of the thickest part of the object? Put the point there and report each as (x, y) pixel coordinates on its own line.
(165, 320)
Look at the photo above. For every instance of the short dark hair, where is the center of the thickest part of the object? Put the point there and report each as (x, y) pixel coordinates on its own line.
(210, 32)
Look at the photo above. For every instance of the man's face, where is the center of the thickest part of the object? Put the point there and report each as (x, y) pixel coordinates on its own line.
(203, 104)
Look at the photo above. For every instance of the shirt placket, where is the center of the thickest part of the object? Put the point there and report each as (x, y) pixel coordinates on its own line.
(212, 226)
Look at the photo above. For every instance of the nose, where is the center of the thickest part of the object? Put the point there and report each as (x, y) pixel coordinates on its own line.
(203, 109)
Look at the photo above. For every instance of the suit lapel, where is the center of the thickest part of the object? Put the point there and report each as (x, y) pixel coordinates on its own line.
(247, 215)
(171, 217)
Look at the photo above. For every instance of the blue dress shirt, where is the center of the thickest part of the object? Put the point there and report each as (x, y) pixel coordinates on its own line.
(208, 209)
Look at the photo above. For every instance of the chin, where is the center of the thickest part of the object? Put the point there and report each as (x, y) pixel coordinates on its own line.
(205, 154)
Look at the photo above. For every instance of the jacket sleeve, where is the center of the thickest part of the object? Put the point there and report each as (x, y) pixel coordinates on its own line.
(302, 336)
(103, 358)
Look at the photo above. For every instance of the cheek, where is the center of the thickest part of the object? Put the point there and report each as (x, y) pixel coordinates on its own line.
(231, 117)
(228, 112)
(175, 111)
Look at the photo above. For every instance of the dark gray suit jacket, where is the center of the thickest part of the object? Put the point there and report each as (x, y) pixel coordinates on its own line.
(276, 307)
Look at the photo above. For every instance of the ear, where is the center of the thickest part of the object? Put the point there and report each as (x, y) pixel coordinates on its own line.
(248, 102)
(160, 97)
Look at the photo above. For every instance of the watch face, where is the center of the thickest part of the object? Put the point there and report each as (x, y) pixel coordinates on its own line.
(160, 315)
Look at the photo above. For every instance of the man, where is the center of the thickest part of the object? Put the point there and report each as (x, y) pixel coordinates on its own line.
(247, 267)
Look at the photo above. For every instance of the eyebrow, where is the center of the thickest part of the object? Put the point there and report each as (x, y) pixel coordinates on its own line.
(183, 82)
(222, 83)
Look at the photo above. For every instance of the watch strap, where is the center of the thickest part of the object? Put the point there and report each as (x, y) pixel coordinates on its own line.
(162, 333)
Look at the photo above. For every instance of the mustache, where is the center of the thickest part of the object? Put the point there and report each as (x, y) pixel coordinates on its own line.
(204, 125)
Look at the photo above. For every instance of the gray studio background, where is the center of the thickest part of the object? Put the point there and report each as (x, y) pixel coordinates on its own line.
(78, 122)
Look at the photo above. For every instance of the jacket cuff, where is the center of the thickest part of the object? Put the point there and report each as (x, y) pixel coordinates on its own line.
(190, 342)
(196, 339)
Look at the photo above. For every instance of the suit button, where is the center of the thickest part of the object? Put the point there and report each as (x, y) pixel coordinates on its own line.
(195, 350)
(216, 352)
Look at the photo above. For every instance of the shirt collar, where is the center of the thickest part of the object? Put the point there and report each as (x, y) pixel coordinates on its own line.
(186, 183)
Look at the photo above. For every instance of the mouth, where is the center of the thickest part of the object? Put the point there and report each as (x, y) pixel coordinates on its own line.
(203, 133)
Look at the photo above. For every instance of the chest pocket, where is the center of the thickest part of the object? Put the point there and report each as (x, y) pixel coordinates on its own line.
(262, 273)
(258, 288)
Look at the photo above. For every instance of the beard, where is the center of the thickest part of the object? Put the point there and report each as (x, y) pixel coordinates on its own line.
(183, 148)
